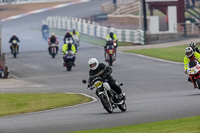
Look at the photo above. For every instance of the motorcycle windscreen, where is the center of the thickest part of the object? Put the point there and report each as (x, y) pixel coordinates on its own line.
(192, 63)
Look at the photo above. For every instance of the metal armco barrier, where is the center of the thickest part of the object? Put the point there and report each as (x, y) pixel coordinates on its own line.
(93, 29)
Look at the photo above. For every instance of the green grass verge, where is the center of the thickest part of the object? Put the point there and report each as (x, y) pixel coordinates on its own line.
(176, 53)
(186, 125)
(88, 39)
(18, 103)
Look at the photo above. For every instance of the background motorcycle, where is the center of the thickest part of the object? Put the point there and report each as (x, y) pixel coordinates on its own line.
(110, 55)
(69, 60)
(53, 50)
(14, 48)
(45, 34)
(108, 97)
(194, 72)
(76, 41)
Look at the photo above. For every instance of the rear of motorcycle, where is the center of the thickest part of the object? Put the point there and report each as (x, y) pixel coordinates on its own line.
(110, 55)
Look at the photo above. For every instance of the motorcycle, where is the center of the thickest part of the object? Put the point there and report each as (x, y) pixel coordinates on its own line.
(45, 34)
(110, 55)
(108, 97)
(194, 73)
(14, 48)
(53, 50)
(69, 60)
(76, 41)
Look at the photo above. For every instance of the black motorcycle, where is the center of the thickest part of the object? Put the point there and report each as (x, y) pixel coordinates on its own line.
(14, 48)
(108, 97)
(69, 60)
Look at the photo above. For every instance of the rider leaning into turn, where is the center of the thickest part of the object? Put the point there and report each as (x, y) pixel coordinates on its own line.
(193, 46)
(101, 70)
(12, 39)
(189, 55)
(68, 46)
(53, 40)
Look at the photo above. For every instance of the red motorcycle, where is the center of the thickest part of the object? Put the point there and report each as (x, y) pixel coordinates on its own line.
(53, 50)
(194, 73)
(110, 55)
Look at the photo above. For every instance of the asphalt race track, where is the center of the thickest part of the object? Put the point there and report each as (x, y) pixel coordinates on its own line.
(155, 90)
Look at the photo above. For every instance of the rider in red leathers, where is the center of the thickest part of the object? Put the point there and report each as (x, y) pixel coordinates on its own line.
(53, 40)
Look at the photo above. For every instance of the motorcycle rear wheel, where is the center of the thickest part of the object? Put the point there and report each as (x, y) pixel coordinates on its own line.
(106, 103)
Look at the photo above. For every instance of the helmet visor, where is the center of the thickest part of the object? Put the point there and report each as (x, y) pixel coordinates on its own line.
(188, 54)
(93, 65)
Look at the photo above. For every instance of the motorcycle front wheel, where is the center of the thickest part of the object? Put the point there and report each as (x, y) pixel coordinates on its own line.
(69, 66)
(110, 60)
(106, 103)
(198, 82)
(14, 53)
(122, 107)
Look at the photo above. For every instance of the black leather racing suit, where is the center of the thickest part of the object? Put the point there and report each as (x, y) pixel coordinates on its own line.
(104, 72)
(196, 50)
(11, 41)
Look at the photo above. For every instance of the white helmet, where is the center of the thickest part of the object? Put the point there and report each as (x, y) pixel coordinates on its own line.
(13, 34)
(93, 63)
(53, 34)
(192, 44)
(189, 52)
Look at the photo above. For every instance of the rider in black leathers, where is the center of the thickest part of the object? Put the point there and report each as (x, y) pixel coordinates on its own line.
(14, 37)
(68, 36)
(193, 46)
(101, 70)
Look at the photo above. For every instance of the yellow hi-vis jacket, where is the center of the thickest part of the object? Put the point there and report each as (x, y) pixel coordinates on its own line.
(77, 33)
(187, 60)
(114, 36)
(65, 48)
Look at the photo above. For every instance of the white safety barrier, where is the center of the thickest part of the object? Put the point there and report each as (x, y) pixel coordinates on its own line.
(93, 29)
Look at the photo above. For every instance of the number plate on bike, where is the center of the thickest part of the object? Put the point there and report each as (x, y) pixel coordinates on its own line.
(110, 51)
(14, 41)
(98, 84)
